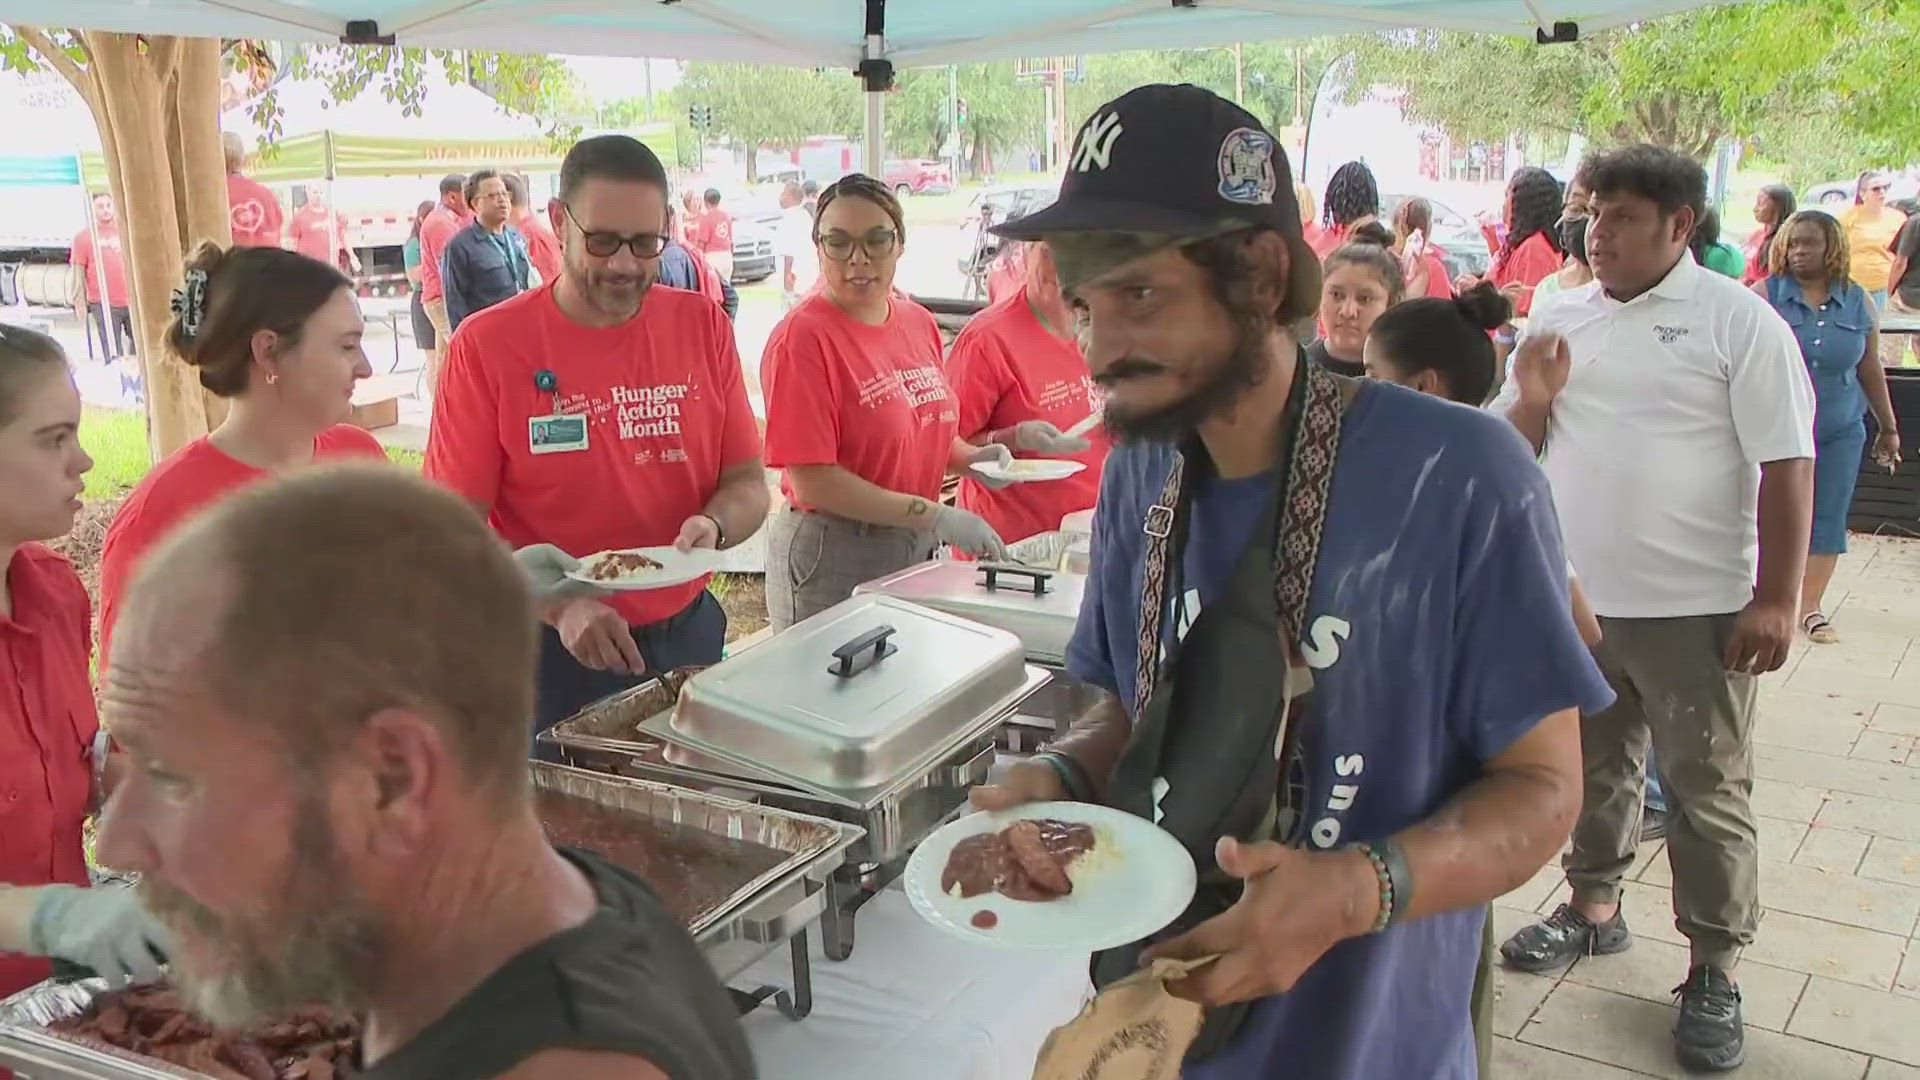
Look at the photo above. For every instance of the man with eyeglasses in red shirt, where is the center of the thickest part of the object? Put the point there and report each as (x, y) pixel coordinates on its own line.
(597, 413)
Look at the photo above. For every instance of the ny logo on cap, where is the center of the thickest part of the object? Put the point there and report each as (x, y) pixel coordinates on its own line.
(1096, 143)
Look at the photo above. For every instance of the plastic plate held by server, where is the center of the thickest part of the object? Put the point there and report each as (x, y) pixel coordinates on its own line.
(632, 569)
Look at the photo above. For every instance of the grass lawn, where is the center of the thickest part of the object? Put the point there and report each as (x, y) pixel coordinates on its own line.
(117, 441)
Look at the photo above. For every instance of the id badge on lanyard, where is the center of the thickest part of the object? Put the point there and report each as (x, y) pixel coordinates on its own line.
(558, 432)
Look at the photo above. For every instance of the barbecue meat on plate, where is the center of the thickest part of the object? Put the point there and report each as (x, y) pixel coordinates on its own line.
(1027, 860)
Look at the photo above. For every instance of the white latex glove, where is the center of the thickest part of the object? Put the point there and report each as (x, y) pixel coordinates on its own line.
(104, 928)
(545, 568)
(1041, 437)
(990, 454)
(968, 532)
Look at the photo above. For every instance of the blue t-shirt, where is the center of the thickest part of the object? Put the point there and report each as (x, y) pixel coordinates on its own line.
(1438, 631)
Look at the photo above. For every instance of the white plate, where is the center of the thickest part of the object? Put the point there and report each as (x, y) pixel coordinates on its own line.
(676, 568)
(1028, 469)
(1135, 881)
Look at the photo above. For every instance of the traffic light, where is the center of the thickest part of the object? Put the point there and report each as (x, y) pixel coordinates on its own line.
(700, 116)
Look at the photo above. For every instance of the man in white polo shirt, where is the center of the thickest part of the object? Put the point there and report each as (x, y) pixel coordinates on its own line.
(1676, 419)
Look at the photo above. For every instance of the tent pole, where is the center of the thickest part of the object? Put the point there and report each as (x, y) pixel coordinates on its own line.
(876, 78)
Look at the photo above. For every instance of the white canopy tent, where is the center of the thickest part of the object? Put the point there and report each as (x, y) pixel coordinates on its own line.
(870, 37)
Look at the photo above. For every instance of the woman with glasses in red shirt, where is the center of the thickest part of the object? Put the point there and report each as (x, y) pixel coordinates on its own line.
(860, 418)
(49, 736)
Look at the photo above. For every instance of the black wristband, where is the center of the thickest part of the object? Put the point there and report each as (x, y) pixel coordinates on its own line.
(1073, 776)
(1399, 875)
(719, 531)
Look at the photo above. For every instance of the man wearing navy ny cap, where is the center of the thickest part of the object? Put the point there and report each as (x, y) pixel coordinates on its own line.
(1359, 701)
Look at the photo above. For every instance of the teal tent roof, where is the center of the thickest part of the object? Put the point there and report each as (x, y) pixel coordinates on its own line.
(825, 33)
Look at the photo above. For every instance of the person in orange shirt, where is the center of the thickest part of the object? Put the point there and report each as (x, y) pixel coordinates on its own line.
(1021, 382)
(256, 216)
(318, 238)
(1530, 247)
(599, 412)
(49, 735)
(1870, 226)
(113, 317)
(279, 336)
(543, 245)
(712, 235)
(1353, 199)
(440, 226)
(860, 418)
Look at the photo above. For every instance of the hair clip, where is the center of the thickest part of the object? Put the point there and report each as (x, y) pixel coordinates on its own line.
(189, 303)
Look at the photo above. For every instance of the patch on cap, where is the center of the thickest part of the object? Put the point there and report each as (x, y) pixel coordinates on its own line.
(1095, 149)
(1246, 167)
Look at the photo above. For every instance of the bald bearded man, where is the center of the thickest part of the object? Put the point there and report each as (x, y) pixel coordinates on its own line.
(323, 686)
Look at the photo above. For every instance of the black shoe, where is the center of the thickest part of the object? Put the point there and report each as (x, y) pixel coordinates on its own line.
(1708, 1036)
(1653, 824)
(1563, 937)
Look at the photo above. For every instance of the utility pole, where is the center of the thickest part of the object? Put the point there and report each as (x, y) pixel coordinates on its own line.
(953, 119)
(648, 61)
(1239, 77)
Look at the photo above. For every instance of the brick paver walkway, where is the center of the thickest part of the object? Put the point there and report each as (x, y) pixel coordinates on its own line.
(1832, 986)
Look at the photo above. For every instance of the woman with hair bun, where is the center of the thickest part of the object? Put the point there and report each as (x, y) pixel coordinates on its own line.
(278, 335)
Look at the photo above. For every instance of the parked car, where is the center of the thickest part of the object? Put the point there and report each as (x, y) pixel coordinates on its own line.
(1463, 247)
(917, 177)
(1840, 192)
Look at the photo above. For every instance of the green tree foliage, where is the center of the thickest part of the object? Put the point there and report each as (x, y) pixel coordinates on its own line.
(757, 105)
(1002, 113)
(1745, 71)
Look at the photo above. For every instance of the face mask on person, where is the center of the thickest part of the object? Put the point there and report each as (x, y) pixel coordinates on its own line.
(1573, 238)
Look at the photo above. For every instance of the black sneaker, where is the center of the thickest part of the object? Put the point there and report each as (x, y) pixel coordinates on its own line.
(1564, 937)
(1653, 824)
(1708, 1036)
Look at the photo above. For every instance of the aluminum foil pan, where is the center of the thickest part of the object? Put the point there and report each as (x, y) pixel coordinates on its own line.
(44, 1055)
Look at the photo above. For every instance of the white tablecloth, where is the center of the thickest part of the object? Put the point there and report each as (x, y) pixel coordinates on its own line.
(912, 1002)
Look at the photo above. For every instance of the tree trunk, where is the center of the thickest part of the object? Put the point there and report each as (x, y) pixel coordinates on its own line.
(131, 98)
(199, 162)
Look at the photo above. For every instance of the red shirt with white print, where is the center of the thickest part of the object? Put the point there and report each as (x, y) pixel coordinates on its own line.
(666, 409)
(1007, 367)
(870, 399)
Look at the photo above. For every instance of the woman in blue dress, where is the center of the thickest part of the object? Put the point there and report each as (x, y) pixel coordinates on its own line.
(1836, 322)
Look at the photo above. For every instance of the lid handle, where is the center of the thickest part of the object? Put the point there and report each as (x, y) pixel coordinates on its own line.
(1039, 577)
(873, 645)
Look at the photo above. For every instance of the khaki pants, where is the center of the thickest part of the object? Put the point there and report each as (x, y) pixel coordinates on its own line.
(1480, 1005)
(814, 560)
(1673, 686)
(442, 330)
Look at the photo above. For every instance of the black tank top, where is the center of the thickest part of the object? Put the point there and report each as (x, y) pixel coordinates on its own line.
(1317, 352)
(628, 980)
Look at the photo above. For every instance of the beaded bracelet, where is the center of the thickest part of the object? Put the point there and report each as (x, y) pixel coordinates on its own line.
(1385, 877)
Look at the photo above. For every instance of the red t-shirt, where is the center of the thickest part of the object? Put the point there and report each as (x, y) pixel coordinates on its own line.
(1525, 265)
(543, 247)
(870, 399)
(435, 231)
(714, 232)
(111, 259)
(1438, 284)
(197, 475)
(1331, 239)
(667, 413)
(1757, 256)
(310, 234)
(47, 725)
(255, 212)
(1006, 367)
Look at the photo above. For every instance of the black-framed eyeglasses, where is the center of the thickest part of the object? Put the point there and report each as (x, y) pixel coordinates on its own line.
(839, 246)
(603, 245)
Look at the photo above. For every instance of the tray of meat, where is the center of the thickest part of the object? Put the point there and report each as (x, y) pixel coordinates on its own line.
(142, 1032)
(1057, 875)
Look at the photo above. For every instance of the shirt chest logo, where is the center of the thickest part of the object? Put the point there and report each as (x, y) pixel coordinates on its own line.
(1669, 334)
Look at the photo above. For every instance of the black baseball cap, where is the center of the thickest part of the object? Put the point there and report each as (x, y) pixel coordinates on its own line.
(1180, 162)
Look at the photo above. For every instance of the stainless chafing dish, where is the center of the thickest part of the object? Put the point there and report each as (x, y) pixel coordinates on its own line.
(875, 712)
(1037, 603)
(746, 920)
